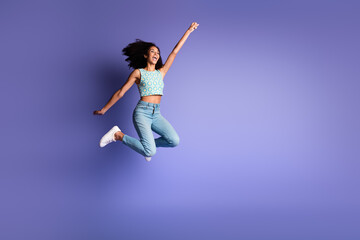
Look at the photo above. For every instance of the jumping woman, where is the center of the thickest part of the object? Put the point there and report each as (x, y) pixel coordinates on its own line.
(148, 74)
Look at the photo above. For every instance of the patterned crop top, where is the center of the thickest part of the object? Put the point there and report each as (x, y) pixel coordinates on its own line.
(151, 83)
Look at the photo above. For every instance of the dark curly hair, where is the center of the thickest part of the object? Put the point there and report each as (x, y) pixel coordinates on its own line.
(135, 52)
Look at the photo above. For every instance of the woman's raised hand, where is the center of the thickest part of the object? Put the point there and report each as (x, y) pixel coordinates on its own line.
(193, 26)
(99, 112)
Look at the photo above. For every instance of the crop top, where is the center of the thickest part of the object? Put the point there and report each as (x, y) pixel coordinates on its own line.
(151, 83)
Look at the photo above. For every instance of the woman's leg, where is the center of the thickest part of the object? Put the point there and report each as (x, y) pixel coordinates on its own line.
(169, 137)
(146, 145)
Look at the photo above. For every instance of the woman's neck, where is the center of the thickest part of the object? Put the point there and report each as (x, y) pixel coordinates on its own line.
(150, 67)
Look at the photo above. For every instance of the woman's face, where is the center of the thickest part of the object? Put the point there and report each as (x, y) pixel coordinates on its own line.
(153, 55)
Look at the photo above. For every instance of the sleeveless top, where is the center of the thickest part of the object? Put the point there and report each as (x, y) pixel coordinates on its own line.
(151, 83)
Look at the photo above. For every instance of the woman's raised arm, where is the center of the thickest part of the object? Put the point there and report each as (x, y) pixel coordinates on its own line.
(177, 47)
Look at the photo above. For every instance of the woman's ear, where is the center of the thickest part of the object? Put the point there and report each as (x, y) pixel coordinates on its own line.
(145, 56)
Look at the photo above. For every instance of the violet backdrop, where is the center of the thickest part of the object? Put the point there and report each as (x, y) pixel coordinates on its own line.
(264, 96)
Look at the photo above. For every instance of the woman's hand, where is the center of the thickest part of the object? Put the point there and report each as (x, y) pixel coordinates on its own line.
(193, 26)
(101, 112)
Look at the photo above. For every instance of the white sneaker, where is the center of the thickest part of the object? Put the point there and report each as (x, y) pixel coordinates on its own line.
(148, 159)
(109, 137)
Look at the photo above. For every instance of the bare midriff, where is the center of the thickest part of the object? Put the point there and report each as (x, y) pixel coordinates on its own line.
(151, 98)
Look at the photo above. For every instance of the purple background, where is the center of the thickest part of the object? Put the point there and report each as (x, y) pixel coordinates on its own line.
(264, 96)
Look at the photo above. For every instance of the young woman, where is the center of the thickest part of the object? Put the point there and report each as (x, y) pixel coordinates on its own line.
(148, 74)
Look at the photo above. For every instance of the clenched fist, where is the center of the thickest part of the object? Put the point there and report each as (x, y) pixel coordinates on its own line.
(99, 112)
(193, 26)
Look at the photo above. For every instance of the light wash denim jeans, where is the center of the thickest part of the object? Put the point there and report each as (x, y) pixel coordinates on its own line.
(147, 118)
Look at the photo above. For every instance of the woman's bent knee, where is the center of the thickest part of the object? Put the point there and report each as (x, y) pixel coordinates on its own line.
(174, 141)
(149, 152)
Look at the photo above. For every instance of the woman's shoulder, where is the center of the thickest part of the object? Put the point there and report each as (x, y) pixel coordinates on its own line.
(136, 72)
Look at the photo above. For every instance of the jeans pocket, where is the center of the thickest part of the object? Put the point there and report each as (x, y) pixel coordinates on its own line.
(140, 108)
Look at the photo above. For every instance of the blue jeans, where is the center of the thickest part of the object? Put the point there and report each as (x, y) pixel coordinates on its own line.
(147, 118)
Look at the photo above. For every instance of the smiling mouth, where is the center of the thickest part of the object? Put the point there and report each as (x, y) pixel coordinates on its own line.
(154, 58)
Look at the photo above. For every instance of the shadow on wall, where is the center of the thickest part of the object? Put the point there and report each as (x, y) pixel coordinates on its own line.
(108, 77)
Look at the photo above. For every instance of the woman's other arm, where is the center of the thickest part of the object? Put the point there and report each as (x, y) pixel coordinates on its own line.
(120, 93)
